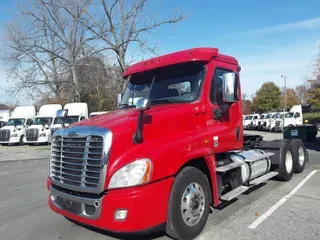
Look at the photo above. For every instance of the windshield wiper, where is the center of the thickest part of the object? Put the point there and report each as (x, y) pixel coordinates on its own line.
(155, 101)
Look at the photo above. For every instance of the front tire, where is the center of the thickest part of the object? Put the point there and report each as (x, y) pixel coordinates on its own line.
(189, 204)
(21, 142)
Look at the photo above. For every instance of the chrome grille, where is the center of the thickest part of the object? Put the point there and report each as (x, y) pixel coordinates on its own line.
(78, 158)
(4, 135)
(32, 134)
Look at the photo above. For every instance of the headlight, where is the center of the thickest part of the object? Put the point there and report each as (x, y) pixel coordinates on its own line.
(135, 173)
(42, 135)
(14, 135)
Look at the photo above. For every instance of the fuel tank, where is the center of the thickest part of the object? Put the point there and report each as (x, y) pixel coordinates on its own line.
(251, 170)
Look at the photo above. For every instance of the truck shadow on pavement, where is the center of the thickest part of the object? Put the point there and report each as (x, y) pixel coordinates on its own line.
(315, 146)
(155, 233)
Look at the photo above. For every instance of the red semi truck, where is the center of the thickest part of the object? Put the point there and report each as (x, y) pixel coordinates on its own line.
(174, 146)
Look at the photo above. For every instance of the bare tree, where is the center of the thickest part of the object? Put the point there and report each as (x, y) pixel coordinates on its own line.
(118, 24)
(55, 33)
(32, 69)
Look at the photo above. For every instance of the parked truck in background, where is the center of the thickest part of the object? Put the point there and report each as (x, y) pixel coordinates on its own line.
(4, 117)
(269, 122)
(39, 131)
(292, 118)
(163, 160)
(251, 121)
(14, 131)
(76, 113)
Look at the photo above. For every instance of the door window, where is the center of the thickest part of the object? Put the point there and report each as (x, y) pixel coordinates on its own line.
(216, 90)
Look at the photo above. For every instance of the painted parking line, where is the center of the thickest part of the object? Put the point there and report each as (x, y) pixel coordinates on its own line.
(264, 216)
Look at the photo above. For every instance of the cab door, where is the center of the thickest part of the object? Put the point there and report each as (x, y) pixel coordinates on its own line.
(224, 118)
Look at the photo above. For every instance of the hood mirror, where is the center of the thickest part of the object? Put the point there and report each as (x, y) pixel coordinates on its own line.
(143, 104)
(119, 97)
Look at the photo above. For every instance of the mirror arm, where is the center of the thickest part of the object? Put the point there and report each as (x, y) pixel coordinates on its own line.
(137, 136)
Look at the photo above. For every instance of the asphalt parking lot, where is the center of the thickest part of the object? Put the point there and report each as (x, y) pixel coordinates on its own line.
(275, 210)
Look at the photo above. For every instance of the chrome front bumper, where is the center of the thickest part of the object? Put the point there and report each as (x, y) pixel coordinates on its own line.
(84, 207)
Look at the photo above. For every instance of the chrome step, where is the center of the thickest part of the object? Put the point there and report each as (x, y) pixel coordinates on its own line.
(259, 157)
(263, 178)
(230, 166)
(234, 193)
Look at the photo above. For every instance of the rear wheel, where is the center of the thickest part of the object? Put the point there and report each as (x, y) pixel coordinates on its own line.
(300, 155)
(189, 204)
(285, 165)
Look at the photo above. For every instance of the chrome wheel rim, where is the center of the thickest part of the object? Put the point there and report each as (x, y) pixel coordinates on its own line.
(192, 204)
(289, 162)
(301, 156)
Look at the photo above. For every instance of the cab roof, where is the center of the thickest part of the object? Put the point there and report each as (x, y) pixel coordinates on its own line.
(188, 55)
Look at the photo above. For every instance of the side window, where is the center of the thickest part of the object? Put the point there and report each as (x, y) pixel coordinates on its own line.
(255, 117)
(216, 91)
(82, 118)
(297, 115)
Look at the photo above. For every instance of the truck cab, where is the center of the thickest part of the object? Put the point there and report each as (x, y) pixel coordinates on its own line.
(251, 121)
(294, 117)
(269, 122)
(261, 121)
(39, 131)
(15, 129)
(4, 117)
(76, 113)
(174, 146)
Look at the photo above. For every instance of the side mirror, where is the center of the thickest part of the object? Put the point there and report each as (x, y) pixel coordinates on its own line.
(143, 104)
(62, 113)
(230, 87)
(46, 126)
(119, 97)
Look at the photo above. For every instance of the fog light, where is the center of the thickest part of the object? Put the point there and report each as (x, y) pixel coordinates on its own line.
(121, 214)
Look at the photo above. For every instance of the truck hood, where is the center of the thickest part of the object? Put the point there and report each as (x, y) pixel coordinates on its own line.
(11, 128)
(125, 120)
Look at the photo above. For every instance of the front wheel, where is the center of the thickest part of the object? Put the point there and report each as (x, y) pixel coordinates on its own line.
(21, 142)
(189, 204)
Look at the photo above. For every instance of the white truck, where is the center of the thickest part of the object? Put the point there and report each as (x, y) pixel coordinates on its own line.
(39, 131)
(291, 119)
(14, 131)
(270, 120)
(4, 117)
(261, 120)
(76, 112)
(251, 121)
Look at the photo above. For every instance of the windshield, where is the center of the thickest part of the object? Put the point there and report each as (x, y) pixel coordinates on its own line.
(289, 115)
(68, 120)
(248, 117)
(173, 84)
(43, 121)
(268, 116)
(261, 116)
(16, 121)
